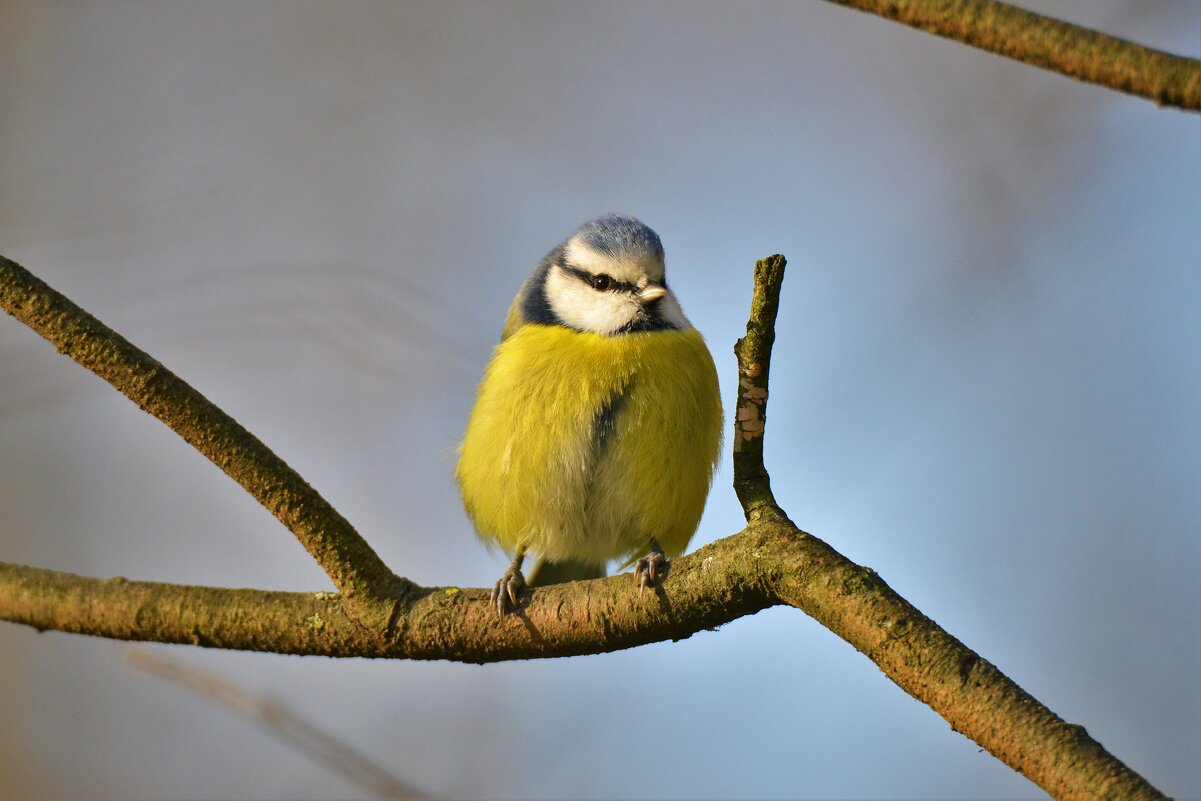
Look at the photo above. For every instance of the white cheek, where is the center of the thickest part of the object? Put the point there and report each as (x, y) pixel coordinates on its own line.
(580, 306)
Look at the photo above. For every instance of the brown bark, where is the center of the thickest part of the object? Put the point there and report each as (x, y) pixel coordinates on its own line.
(1051, 44)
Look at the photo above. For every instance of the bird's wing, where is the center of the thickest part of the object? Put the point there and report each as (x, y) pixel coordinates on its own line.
(515, 319)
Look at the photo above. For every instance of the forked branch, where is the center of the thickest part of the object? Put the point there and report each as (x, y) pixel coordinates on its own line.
(770, 562)
(970, 693)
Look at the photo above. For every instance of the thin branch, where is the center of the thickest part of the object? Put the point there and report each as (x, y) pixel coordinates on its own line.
(970, 693)
(281, 722)
(1051, 44)
(350, 562)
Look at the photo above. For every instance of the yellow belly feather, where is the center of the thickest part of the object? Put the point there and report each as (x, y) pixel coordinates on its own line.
(530, 471)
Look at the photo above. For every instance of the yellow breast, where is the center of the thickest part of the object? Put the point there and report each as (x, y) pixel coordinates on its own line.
(587, 446)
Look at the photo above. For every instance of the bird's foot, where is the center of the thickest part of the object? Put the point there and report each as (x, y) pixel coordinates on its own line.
(650, 568)
(506, 594)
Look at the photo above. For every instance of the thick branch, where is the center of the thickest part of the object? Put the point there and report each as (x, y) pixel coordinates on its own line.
(970, 693)
(352, 565)
(715, 585)
(1052, 44)
(770, 562)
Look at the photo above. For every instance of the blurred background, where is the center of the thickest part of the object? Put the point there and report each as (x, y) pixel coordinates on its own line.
(987, 381)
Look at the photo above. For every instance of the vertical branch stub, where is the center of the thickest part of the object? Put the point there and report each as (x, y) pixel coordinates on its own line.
(753, 351)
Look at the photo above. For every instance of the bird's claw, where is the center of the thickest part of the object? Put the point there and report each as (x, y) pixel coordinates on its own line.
(507, 592)
(649, 569)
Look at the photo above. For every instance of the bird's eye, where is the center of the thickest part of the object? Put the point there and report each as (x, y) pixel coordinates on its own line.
(602, 282)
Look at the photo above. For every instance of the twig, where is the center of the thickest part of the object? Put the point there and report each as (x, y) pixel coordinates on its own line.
(753, 352)
(1051, 44)
(280, 722)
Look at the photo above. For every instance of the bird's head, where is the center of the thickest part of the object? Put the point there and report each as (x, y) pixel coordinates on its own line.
(608, 278)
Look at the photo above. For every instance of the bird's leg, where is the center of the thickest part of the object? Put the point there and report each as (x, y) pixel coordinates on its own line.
(511, 585)
(650, 568)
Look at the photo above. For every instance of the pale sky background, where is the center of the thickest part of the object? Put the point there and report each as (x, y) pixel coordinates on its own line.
(987, 381)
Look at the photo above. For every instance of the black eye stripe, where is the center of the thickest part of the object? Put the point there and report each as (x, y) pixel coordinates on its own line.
(601, 282)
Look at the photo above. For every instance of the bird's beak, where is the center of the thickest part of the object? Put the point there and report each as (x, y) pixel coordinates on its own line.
(650, 293)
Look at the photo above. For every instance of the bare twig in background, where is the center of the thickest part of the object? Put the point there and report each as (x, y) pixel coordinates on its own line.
(280, 722)
(1051, 44)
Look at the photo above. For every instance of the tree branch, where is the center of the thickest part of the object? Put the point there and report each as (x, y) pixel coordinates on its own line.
(718, 583)
(350, 562)
(768, 563)
(1051, 44)
(970, 693)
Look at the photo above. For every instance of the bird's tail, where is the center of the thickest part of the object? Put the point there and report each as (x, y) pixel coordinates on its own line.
(548, 572)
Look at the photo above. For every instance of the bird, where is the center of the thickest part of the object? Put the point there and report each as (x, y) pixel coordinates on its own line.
(597, 425)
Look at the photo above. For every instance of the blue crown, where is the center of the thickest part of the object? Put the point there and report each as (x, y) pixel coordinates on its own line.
(619, 236)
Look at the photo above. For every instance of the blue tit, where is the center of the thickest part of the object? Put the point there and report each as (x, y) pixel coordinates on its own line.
(597, 425)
